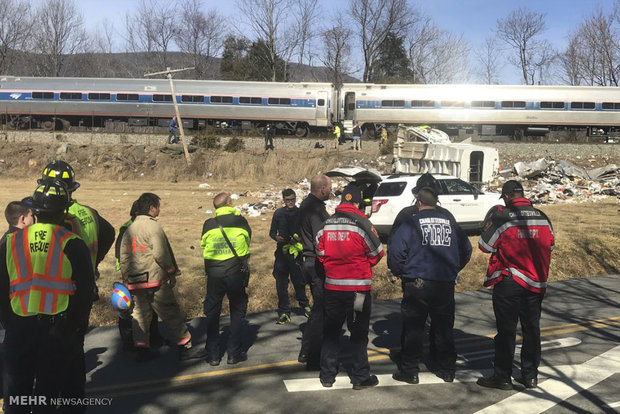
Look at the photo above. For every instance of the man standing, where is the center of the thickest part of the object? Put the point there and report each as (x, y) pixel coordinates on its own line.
(348, 247)
(520, 239)
(270, 133)
(357, 136)
(288, 258)
(173, 129)
(149, 271)
(426, 253)
(226, 251)
(312, 215)
(18, 216)
(46, 284)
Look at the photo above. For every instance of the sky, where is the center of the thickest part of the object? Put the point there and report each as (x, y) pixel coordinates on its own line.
(474, 19)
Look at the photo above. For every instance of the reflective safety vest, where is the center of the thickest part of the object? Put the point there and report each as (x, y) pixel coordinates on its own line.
(84, 223)
(39, 271)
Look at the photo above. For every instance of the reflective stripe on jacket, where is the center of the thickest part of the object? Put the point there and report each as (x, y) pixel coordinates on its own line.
(39, 272)
(84, 223)
(237, 229)
(348, 246)
(520, 239)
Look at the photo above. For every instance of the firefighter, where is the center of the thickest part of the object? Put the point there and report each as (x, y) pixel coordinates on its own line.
(46, 285)
(520, 239)
(348, 247)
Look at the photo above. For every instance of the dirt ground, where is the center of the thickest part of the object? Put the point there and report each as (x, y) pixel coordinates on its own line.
(113, 176)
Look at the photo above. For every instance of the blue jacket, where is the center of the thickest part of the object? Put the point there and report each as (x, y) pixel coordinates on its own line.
(429, 245)
(284, 223)
(173, 125)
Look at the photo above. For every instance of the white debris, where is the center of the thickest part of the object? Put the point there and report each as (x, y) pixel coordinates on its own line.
(235, 196)
(204, 186)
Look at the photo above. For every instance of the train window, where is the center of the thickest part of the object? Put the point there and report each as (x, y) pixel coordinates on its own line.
(127, 97)
(483, 104)
(250, 100)
(582, 105)
(279, 101)
(513, 104)
(422, 104)
(76, 96)
(552, 105)
(192, 98)
(321, 102)
(42, 95)
(397, 103)
(611, 105)
(162, 98)
(452, 104)
(94, 96)
(221, 99)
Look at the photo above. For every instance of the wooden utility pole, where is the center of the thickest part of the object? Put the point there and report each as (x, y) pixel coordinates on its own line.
(168, 72)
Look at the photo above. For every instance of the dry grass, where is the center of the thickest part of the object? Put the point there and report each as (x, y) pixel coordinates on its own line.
(587, 243)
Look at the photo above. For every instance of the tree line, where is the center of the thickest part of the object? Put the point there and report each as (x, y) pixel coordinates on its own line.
(381, 41)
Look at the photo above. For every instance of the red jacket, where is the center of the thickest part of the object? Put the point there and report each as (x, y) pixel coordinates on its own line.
(520, 238)
(348, 246)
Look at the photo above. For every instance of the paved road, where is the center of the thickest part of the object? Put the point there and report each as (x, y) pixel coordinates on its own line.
(580, 370)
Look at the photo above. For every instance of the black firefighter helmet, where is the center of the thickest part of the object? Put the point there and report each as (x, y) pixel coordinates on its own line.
(60, 170)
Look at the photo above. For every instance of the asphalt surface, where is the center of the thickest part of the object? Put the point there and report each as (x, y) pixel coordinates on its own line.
(580, 368)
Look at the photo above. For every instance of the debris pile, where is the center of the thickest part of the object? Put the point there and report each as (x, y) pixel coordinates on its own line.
(547, 181)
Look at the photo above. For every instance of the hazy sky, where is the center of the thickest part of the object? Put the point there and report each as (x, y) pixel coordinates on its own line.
(474, 19)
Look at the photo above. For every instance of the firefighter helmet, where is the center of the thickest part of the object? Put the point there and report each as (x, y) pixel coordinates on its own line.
(50, 196)
(60, 170)
(120, 298)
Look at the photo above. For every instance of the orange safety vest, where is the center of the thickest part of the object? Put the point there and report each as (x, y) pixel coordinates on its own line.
(39, 272)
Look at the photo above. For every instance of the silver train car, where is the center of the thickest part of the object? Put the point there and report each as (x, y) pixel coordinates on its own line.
(59, 103)
(296, 108)
(491, 109)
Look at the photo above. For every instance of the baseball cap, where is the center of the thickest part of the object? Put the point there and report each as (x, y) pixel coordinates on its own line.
(510, 187)
(351, 194)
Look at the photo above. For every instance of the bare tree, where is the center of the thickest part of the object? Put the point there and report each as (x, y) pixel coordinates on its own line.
(337, 51)
(521, 31)
(103, 38)
(375, 19)
(488, 59)
(202, 35)
(267, 20)
(593, 53)
(306, 14)
(430, 48)
(15, 30)
(59, 33)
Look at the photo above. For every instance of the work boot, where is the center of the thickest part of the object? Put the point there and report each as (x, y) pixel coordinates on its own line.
(495, 382)
(371, 381)
(192, 352)
(237, 358)
(283, 319)
(408, 378)
(528, 382)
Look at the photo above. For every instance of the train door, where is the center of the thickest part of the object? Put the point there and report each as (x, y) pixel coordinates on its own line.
(476, 162)
(322, 101)
(349, 106)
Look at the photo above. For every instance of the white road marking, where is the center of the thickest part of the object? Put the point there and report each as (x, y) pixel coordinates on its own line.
(614, 405)
(564, 382)
(545, 346)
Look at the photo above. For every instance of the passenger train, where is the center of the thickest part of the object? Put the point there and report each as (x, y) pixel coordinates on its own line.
(62, 103)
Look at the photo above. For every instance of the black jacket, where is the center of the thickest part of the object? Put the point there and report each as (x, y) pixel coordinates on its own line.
(312, 215)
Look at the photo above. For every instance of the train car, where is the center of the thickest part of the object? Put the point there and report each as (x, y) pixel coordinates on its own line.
(491, 109)
(62, 102)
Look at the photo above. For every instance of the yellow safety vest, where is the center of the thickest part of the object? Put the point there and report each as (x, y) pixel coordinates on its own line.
(84, 223)
(39, 271)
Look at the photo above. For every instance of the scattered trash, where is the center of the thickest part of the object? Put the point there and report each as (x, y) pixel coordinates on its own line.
(235, 196)
(204, 186)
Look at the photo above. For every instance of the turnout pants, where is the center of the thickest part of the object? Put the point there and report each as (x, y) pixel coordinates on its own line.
(338, 308)
(511, 303)
(39, 352)
(421, 299)
(164, 303)
(286, 265)
(233, 286)
(314, 275)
